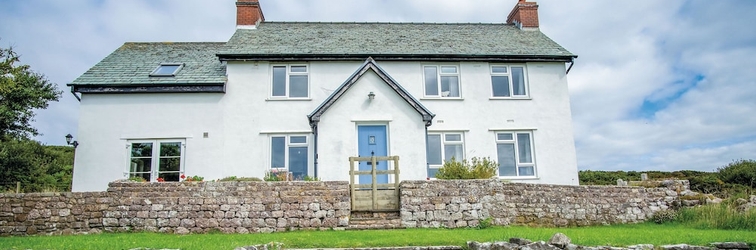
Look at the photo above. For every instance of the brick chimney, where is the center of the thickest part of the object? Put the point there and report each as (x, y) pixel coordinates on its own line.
(524, 15)
(248, 14)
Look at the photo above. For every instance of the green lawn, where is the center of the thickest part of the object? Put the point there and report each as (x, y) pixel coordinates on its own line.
(617, 235)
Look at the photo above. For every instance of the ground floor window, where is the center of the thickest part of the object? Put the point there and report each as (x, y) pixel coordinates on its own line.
(515, 153)
(156, 160)
(445, 146)
(290, 153)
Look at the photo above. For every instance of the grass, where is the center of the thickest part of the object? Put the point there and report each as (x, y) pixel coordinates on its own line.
(721, 216)
(616, 235)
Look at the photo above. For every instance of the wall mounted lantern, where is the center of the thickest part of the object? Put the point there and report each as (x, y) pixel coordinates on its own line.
(371, 96)
(69, 140)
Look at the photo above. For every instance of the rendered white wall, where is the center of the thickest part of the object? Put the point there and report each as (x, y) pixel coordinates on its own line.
(241, 121)
(107, 121)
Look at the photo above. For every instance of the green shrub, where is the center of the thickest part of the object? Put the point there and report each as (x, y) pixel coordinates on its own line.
(664, 216)
(194, 178)
(137, 179)
(476, 168)
(308, 178)
(276, 175)
(741, 172)
(485, 223)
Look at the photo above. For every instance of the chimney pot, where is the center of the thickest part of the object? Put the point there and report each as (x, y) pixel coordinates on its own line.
(524, 15)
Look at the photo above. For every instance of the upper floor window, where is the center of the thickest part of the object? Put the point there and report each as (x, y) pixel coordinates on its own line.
(445, 146)
(508, 81)
(290, 81)
(441, 81)
(515, 153)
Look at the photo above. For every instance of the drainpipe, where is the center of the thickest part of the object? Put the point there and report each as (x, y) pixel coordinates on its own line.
(427, 166)
(572, 63)
(74, 94)
(315, 148)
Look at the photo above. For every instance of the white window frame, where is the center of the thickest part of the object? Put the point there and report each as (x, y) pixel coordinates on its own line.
(289, 73)
(518, 163)
(508, 74)
(444, 142)
(287, 145)
(439, 74)
(155, 158)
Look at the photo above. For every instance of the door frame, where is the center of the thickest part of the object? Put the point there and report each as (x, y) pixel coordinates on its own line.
(388, 142)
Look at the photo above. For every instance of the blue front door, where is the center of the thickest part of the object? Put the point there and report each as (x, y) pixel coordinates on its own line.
(372, 141)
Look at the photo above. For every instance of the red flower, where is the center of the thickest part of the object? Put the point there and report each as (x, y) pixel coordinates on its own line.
(183, 176)
(160, 179)
(427, 178)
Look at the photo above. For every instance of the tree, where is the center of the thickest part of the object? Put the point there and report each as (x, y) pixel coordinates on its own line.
(21, 91)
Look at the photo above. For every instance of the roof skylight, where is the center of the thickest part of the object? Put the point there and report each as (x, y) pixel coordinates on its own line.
(167, 69)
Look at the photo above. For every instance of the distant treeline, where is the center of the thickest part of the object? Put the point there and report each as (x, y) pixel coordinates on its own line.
(36, 167)
(735, 179)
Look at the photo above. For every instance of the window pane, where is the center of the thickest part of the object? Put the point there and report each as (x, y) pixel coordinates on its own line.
(504, 137)
(523, 146)
(526, 171)
(453, 151)
(500, 85)
(434, 150)
(506, 158)
(170, 149)
(431, 81)
(298, 86)
(298, 139)
(298, 162)
(279, 81)
(166, 69)
(518, 81)
(298, 69)
(277, 151)
(141, 165)
(142, 149)
(448, 70)
(453, 137)
(450, 86)
(499, 69)
(169, 176)
(170, 164)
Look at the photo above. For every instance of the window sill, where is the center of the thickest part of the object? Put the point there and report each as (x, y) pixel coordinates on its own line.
(518, 178)
(443, 98)
(287, 99)
(510, 98)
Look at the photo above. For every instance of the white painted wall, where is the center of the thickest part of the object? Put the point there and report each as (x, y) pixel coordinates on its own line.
(241, 121)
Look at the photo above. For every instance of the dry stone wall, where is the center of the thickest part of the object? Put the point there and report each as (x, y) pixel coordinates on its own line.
(463, 203)
(250, 207)
(239, 207)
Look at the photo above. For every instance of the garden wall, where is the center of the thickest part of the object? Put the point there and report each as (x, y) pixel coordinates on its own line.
(242, 207)
(185, 207)
(462, 203)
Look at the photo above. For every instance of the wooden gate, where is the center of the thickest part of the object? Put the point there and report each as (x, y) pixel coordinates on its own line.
(374, 197)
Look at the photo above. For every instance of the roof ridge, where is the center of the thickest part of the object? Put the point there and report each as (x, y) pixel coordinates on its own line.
(378, 22)
(169, 42)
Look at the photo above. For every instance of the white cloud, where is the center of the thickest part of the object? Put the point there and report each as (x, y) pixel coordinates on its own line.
(630, 52)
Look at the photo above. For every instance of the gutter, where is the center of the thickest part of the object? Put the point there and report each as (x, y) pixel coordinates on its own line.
(394, 57)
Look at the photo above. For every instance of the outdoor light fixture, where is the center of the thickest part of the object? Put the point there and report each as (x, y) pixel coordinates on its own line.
(69, 140)
(371, 95)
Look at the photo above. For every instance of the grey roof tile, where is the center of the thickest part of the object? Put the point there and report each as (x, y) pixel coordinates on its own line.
(132, 63)
(305, 38)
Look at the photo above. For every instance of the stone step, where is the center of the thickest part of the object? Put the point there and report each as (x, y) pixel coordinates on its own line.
(375, 220)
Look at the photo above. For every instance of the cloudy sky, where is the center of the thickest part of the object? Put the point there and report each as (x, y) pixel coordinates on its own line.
(659, 85)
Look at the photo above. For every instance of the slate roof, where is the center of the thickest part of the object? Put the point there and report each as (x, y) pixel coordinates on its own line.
(132, 63)
(441, 40)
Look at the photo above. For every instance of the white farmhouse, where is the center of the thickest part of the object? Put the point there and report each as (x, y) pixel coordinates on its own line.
(304, 97)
